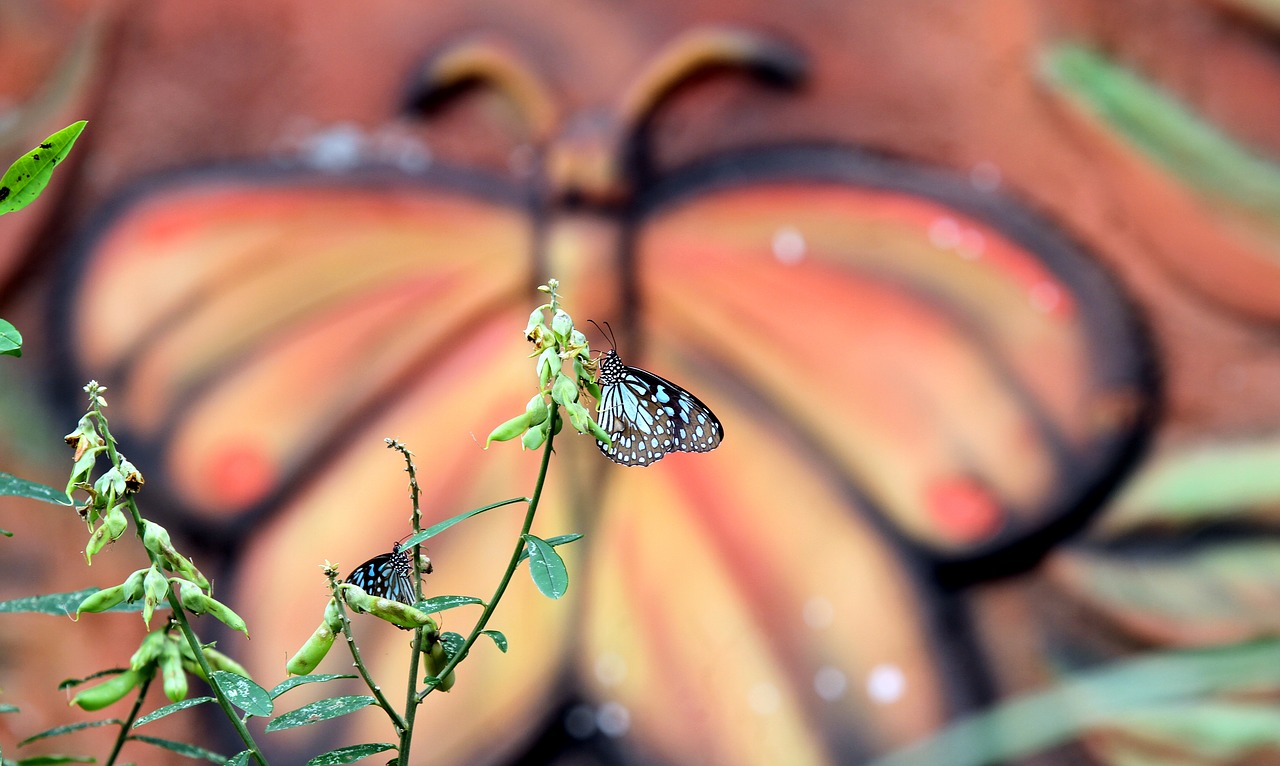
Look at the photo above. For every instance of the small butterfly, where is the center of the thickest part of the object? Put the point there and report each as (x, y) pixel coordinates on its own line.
(648, 416)
(387, 575)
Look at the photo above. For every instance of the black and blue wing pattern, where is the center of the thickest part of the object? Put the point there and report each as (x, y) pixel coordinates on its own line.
(648, 416)
(387, 575)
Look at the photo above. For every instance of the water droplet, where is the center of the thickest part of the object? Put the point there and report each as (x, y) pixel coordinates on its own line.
(764, 699)
(985, 176)
(611, 669)
(580, 722)
(818, 612)
(944, 233)
(886, 683)
(830, 683)
(788, 245)
(614, 719)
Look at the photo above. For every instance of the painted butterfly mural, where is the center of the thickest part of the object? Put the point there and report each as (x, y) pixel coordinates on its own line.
(931, 382)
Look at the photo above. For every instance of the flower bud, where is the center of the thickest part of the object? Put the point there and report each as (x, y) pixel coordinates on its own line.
(561, 324)
(312, 652)
(102, 600)
(171, 672)
(109, 691)
(509, 430)
(564, 390)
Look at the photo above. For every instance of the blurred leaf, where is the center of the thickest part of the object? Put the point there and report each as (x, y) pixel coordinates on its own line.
(321, 710)
(349, 754)
(48, 760)
(498, 639)
(12, 485)
(243, 693)
(443, 603)
(60, 730)
(1035, 722)
(290, 683)
(10, 340)
(9, 709)
(63, 604)
(1204, 733)
(30, 173)
(6, 533)
(554, 542)
(1217, 594)
(240, 759)
(156, 715)
(546, 567)
(181, 748)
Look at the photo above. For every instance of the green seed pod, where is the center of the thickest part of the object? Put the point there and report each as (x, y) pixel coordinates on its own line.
(113, 526)
(536, 409)
(333, 616)
(509, 430)
(102, 600)
(149, 650)
(221, 611)
(110, 484)
(601, 435)
(578, 417)
(564, 390)
(171, 672)
(435, 659)
(401, 615)
(219, 661)
(312, 652)
(561, 324)
(156, 539)
(133, 585)
(183, 566)
(155, 590)
(109, 691)
(548, 365)
(534, 437)
(83, 467)
(355, 597)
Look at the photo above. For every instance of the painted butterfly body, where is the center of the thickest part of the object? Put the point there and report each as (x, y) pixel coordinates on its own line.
(648, 416)
(387, 575)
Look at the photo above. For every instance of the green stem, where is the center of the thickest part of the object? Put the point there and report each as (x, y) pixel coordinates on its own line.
(511, 566)
(383, 702)
(411, 701)
(128, 721)
(179, 614)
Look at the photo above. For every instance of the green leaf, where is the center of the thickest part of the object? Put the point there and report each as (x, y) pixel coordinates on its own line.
(498, 639)
(60, 730)
(243, 693)
(289, 683)
(12, 485)
(6, 533)
(443, 603)
(452, 642)
(436, 529)
(546, 567)
(155, 715)
(10, 340)
(49, 760)
(349, 754)
(554, 542)
(9, 709)
(27, 177)
(181, 748)
(321, 710)
(240, 759)
(63, 603)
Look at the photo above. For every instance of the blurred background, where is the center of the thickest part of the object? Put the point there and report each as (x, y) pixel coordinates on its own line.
(985, 294)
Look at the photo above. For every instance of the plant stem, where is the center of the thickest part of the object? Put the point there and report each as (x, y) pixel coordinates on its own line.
(128, 721)
(411, 701)
(381, 698)
(179, 614)
(511, 566)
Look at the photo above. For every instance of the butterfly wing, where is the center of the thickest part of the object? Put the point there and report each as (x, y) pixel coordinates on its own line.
(387, 575)
(648, 416)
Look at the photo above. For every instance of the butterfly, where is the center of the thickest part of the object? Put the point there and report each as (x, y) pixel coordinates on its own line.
(647, 416)
(387, 575)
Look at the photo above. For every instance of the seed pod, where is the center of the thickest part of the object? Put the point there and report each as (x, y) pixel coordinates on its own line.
(102, 600)
(534, 437)
(133, 585)
(509, 430)
(133, 480)
(312, 652)
(536, 409)
(110, 483)
(333, 616)
(226, 616)
(171, 672)
(601, 435)
(435, 660)
(548, 365)
(156, 539)
(149, 650)
(578, 417)
(113, 526)
(561, 324)
(219, 661)
(109, 691)
(564, 390)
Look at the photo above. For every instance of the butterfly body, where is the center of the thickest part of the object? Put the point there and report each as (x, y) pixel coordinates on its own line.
(648, 416)
(387, 575)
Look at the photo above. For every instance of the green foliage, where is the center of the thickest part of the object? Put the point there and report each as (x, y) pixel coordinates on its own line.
(320, 710)
(12, 485)
(30, 173)
(10, 340)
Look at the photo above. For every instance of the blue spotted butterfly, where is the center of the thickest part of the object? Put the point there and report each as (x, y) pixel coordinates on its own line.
(648, 416)
(387, 575)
